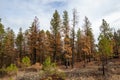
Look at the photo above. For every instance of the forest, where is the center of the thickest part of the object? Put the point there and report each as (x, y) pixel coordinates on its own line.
(56, 51)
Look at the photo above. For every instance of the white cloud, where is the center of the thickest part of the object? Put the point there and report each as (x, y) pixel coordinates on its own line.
(96, 10)
(20, 13)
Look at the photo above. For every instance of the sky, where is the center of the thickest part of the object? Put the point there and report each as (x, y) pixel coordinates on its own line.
(21, 13)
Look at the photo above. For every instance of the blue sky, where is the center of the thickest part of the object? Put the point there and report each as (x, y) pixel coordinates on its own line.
(21, 13)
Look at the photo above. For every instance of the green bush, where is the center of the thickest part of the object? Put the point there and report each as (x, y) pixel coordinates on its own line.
(26, 61)
(48, 65)
(10, 78)
(3, 71)
(12, 69)
(50, 69)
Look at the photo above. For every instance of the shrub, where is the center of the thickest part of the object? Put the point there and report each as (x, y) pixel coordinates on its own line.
(26, 61)
(12, 69)
(50, 70)
(3, 72)
(10, 78)
(48, 65)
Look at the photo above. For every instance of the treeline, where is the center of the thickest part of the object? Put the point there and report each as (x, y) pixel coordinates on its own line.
(62, 43)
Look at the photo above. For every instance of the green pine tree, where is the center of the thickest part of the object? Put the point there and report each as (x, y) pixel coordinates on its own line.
(55, 29)
(105, 43)
(19, 43)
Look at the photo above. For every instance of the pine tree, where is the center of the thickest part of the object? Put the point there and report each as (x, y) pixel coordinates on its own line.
(33, 40)
(19, 43)
(26, 43)
(79, 45)
(9, 49)
(75, 21)
(118, 42)
(89, 35)
(1, 29)
(2, 32)
(68, 51)
(41, 46)
(55, 29)
(67, 46)
(66, 23)
(105, 41)
(85, 48)
(50, 45)
(116, 47)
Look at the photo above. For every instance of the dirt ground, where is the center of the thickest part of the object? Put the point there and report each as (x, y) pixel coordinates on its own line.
(92, 71)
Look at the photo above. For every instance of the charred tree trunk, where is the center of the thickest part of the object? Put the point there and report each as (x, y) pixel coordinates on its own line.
(73, 58)
(103, 64)
(89, 58)
(84, 60)
(106, 60)
(54, 54)
(55, 48)
(103, 67)
(66, 63)
(20, 55)
(73, 48)
(2, 59)
(34, 55)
